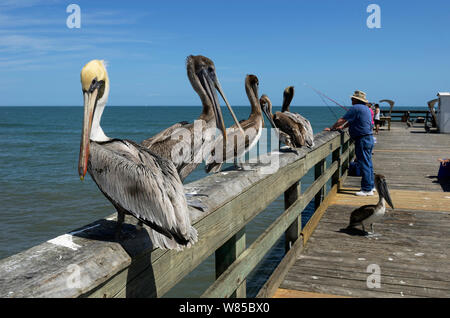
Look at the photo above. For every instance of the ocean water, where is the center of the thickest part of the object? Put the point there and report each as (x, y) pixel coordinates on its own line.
(42, 196)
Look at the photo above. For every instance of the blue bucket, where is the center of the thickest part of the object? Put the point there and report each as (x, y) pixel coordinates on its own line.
(354, 169)
(444, 171)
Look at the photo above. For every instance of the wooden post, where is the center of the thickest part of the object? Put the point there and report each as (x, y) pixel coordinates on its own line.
(319, 169)
(336, 156)
(346, 159)
(293, 232)
(227, 254)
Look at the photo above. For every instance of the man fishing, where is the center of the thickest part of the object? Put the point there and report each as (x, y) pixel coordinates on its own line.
(359, 120)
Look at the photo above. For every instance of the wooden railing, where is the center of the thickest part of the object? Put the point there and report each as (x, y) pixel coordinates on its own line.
(88, 263)
(411, 115)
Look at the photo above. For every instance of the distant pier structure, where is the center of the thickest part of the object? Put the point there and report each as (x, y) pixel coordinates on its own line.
(410, 257)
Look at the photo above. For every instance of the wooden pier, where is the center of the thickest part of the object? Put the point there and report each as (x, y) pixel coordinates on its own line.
(88, 262)
(411, 255)
(412, 251)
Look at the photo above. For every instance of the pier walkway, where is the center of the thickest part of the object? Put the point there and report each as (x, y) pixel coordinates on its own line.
(411, 255)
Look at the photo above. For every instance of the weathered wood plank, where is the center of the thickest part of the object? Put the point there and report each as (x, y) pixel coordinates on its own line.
(360, 273)
(289, 293)
(402, 199)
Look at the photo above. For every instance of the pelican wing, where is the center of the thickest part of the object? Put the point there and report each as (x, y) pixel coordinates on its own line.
(235, 147)
(177, 144)
(292, 127)
(162, 135)
(309, 135)
(361, 213)
(145, 185)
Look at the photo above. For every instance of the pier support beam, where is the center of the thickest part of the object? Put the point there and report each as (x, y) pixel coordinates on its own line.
(319, 169)
(345, 158)
(336, 156)
(227, 254)
(293, 232)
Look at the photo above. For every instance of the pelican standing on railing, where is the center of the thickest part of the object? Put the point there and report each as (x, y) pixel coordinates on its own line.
(368, 214)
(202, 75)
(306, 138)
(237, 145)
(297, 127)
(266, 106)
(136, 181)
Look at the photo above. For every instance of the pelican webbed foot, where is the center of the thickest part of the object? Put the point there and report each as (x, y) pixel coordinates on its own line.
(118, 235)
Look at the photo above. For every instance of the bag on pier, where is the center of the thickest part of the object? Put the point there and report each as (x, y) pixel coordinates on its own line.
(354, 170)
(444, 171)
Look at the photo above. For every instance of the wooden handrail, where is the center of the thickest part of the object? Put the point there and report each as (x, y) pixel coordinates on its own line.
(88, 263)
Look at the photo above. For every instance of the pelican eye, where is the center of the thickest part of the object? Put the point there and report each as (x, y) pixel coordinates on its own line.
(94, 85)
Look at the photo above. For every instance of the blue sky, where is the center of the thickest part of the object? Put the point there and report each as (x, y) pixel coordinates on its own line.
(325, 43)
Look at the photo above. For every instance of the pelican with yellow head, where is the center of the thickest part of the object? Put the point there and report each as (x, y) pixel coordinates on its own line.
(132, 178)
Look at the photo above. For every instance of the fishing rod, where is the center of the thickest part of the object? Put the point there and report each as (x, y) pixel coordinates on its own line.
(322, 94)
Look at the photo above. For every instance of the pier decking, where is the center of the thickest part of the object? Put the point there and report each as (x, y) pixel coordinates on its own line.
(411, 254)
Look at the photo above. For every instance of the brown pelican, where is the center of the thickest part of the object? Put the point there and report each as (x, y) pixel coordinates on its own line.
(368, 214)
(202, 75)
(135, 180)
(295, 125)
(266, 106)
(235, 146)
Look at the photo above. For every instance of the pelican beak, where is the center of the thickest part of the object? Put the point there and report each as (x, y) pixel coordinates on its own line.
(219, 89)
(384, 191)
(90, 99)
(210, 88)
(265, 108)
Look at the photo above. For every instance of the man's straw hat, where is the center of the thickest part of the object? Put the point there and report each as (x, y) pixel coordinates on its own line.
(361, 96)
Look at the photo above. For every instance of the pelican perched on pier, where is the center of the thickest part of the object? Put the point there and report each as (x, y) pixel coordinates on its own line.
(236, 146)
(188, 153)
(368, 214)
(289, 120)
(135, 180)
(297, 127)
(266, 106)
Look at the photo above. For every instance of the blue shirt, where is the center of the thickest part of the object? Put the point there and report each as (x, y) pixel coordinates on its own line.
(360, 119)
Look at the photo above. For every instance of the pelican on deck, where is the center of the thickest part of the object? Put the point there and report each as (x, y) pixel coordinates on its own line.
(368, 214)
(237, 144)
(295, 125)
(188, 153)
(135, 180)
